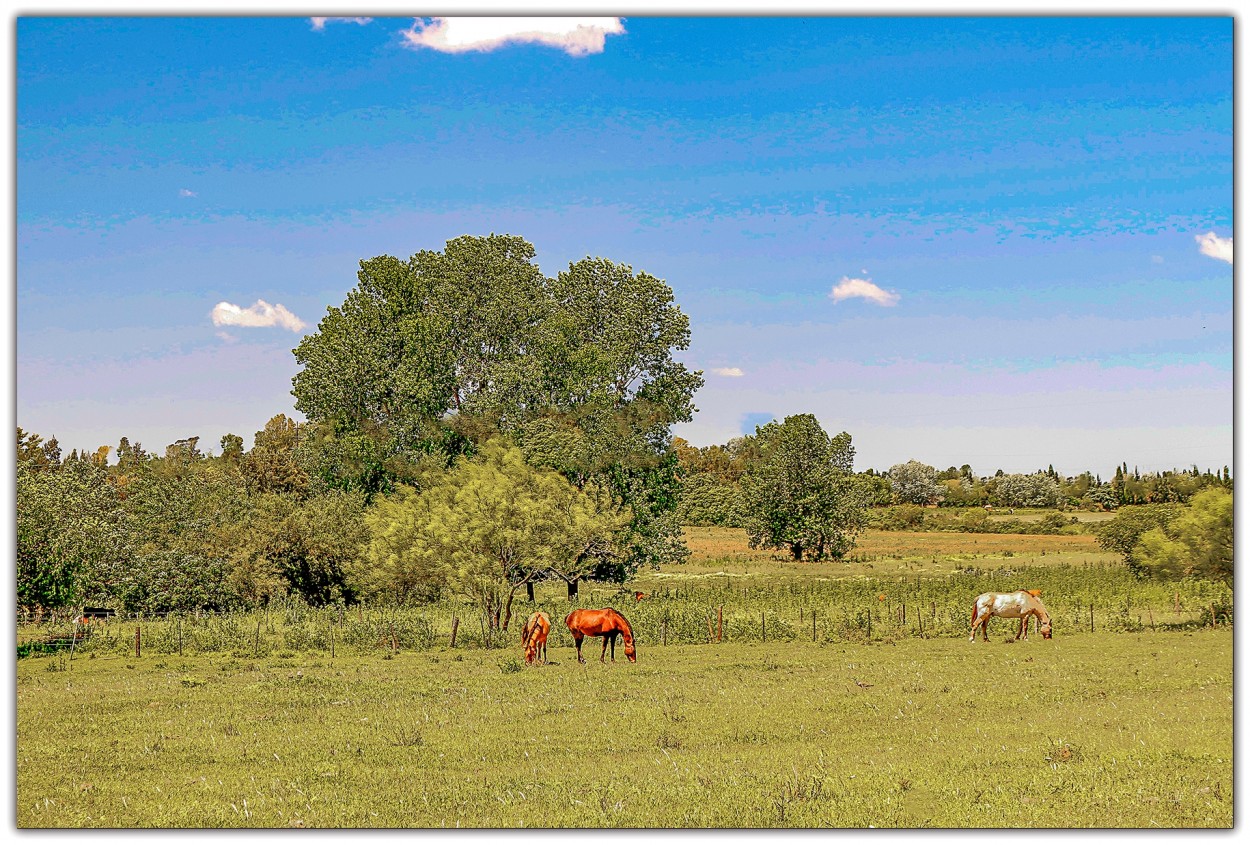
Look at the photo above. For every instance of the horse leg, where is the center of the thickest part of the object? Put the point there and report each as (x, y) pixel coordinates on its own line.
(577, 640)
(612, 640)
(981, 621)
(603, 653)
(1021, 630)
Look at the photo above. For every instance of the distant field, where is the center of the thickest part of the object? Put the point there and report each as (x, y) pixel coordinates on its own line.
(1036, 515)
(893, 553)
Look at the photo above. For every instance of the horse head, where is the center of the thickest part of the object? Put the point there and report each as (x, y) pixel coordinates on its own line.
(1044, 628)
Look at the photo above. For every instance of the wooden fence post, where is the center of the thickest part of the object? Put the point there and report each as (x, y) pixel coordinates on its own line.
(870, 623)
(331, 640)
(180, 636)
(1091, 617)
(1152, 619)
(664, 631)
(1176, 603)
(256, 646)
(1213, 617)
(138, 650)
(813, 626)
(763, 630)
(720, 623)
(73, 640)
(455, 625)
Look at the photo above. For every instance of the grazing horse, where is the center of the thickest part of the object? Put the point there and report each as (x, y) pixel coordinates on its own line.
(1018, 605)
(534, 636)
(606, 623)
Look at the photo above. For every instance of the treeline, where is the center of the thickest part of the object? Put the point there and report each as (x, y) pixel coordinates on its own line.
(712, 491)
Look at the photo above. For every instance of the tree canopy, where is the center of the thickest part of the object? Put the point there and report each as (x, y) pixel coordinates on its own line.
(486, 528)
(448, 349)
(1199, 541)
(803, 494)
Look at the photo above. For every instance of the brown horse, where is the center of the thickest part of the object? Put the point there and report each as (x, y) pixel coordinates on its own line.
(1018, 605)
(534, 636)
(606, 623)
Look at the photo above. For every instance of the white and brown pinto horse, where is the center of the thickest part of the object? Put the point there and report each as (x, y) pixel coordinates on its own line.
(534, 636)
(606, 623)
(1018, 605)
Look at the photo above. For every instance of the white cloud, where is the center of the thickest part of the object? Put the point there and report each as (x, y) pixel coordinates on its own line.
(320, 23)
(1215, 246)
(260, 315)
(850, 288)
(187, 192)
(728, 372)
(575, 36)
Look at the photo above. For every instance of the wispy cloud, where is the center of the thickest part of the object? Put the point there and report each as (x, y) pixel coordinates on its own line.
(575, 36)
(850, 288)
(260, 315)
(1215, 246)
(728, 372)
(187, 192)
(320, 23)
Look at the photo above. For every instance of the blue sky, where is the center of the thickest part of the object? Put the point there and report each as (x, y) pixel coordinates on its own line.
(1012, 208)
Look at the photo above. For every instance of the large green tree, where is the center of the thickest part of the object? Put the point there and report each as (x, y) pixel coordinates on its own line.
(443, 351)
(802, 494)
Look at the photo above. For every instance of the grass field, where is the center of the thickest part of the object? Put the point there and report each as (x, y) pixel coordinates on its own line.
(1126, 730)
(881, 714)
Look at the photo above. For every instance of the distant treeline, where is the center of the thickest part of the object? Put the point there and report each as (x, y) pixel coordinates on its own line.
(711, 487)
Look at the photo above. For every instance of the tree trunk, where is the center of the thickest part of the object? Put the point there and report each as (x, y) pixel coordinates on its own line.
(507, 611)
(529, 590)
(796, 551)
(573, 589)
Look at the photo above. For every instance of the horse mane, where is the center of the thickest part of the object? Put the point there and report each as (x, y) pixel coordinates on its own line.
(625, 627)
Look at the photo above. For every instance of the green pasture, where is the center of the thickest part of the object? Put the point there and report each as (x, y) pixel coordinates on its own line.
(1115, 730)
(767, 694)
